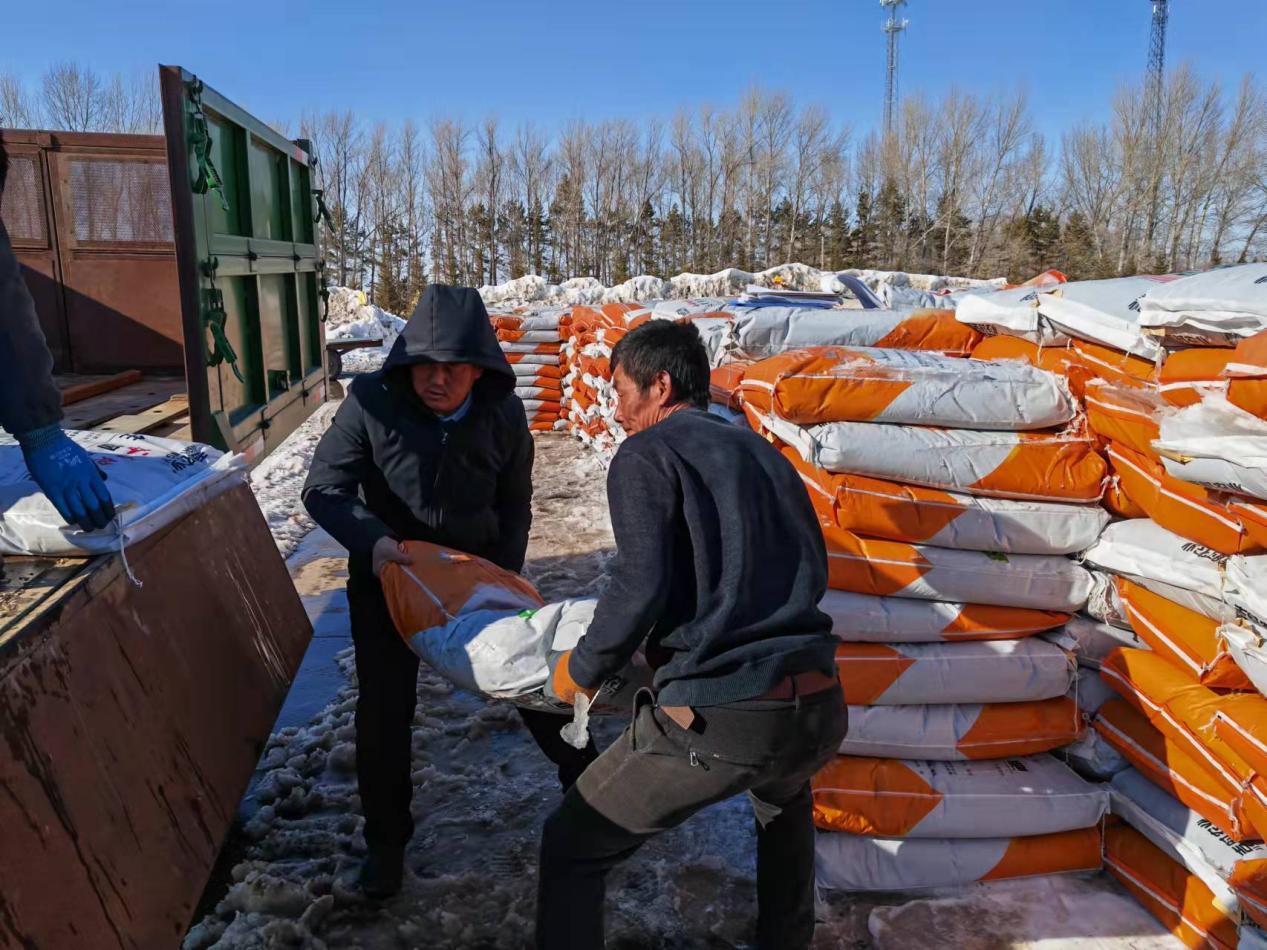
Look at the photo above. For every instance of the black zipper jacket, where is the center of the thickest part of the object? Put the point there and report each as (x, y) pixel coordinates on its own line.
(720, 565)
(29, 399)
(388, 467)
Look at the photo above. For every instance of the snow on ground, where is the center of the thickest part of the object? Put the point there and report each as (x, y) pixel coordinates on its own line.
(535, 291)
(482, 790)
(278, 480)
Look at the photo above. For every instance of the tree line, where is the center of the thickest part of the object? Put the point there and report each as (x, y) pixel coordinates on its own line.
(964, 184)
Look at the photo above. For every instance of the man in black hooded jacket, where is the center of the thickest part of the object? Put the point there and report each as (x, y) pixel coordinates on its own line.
(433, 447)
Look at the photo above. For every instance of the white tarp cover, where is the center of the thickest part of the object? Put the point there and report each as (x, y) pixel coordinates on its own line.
(1013, 312)
(1216, 444)
(152, 482)
(1103, 311)
(1227, 300)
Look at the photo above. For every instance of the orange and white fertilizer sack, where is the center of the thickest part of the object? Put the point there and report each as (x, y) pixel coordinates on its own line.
(834, 384)
(1038, 466)
(897, 512)
(858, 863)
(484, 628)
(1142, 548)
(1216, 444)
(1238, 375)
(957, 733)
(1249, 880)
(1126, 415)
(1227, 302)
(1169, 764)
(1246, 587)
(1188, 510)
(865, 618)
(1188, 639)
(897, 569)
(989, 671)
(1184, 712)
(1171, 893)
(1247, 644)
(1182, 834)
(895, 798)
(767, 331)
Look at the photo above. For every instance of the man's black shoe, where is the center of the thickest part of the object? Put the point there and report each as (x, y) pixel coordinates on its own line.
(383, 872)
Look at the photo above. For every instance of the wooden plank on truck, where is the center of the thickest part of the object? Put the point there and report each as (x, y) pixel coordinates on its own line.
(26, 582)
(78, 392)
(151, 418)
(126, 401)
(133, 719)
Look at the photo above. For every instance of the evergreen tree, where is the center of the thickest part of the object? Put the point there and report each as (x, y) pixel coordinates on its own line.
(1077, 257)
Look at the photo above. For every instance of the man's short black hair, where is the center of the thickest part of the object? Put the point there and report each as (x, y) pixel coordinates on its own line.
(666, 346)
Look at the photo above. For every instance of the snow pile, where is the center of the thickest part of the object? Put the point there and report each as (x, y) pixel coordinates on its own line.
(534, 291)
(279, 480)
(353, 317)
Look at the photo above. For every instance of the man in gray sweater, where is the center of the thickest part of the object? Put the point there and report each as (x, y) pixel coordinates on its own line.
(719, 569)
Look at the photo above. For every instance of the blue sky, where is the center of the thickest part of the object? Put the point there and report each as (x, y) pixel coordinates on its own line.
(552, 61)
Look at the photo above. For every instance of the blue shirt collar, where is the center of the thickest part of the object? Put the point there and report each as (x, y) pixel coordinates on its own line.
(457, 414)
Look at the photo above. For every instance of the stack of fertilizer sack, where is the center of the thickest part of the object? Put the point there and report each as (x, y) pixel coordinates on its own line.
(589, 406)
(1173, 372)
(532, 343)
(952, 494)
(589, 398)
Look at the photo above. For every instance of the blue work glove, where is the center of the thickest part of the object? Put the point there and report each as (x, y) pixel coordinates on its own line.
(68, 477)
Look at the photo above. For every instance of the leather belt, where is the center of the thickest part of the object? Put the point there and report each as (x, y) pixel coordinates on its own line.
(800, 684)
(790, 687)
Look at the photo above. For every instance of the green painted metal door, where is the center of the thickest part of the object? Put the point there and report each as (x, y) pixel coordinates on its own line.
(251, 275)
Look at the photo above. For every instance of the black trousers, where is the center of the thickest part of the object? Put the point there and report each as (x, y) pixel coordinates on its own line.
(657, 775)
(387, 674)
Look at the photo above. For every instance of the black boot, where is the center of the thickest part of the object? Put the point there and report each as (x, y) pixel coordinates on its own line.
(383, 871)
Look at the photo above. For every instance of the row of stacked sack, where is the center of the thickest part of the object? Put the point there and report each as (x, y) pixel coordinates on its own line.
(1045, 520)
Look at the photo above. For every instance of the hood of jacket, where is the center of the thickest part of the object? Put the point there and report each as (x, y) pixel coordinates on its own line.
(451, 325)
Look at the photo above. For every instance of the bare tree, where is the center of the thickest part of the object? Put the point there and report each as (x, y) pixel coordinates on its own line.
(18, 108)
(490, 178)
(74, 98)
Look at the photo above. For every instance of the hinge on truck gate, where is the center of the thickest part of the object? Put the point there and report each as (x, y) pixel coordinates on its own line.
(214, 318)
(323, 291)
(323, 213)
(207, 177)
